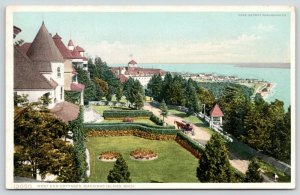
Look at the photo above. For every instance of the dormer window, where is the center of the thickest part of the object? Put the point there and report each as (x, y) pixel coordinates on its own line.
(58, 72)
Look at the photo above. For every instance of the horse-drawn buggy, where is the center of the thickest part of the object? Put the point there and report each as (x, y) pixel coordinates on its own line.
(185, 127)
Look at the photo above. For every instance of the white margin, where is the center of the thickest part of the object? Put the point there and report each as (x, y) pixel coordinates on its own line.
(132, 8)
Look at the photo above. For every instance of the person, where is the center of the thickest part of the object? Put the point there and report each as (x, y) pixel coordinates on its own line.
(275, 177)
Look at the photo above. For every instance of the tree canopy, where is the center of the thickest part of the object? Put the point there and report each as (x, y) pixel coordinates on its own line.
(214, 163)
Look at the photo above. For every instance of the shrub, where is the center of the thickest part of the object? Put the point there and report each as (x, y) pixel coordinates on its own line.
(156, 120)
(119, 173)
(126, 113)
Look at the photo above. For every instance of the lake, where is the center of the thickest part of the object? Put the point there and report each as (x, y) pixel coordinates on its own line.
(281, 77)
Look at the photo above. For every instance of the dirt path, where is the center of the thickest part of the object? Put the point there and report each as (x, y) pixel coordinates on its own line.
(201, 136)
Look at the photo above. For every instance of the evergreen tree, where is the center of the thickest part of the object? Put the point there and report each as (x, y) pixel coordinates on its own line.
(167, 88)
(164, 109)
(90, 89)
(192, 99)
(235, 107)
(102, 85)
(119, 173)
(214, 162)
(206, 97)
(253, 174)
(119, 92)
(155, 86)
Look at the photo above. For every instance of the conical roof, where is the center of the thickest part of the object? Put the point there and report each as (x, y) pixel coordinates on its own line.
(26, 76)
(216, 111)
(43, 48)
(70, 43)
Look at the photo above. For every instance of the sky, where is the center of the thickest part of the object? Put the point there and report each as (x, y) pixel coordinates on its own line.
(168, 37)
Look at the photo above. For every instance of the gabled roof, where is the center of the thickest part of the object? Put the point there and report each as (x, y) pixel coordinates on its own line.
(65, 52)
(70, 43)
(24, 47)
(26, 75)
(132, 62)
(80, 49)
(216, 111)
(43, 48)
(66, 111)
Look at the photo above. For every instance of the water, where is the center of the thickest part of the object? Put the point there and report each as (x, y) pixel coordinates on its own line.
(278, 76)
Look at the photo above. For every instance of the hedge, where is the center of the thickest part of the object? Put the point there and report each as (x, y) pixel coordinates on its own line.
(126, 113)
(130, 126)
(192, 146)
(76, 126)
(156, 120)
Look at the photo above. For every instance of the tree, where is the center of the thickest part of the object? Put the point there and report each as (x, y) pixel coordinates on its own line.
(39, 145)
(102, 85)
(134, 93)
(164, 109)
(206, 97)
(90, 88)
(119, 92)
(235, 108)
(120, 172)
(253, 174)
(192, 99)
(154, 87)
(214, 162)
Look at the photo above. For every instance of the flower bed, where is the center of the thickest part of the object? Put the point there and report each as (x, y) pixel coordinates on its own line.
(128, 120)
(143, 154)
(109, 156)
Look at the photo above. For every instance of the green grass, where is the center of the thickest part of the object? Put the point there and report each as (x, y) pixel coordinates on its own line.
(192, 119)
(174, 164)
(135, 120)
(114, 99)
(100, 109)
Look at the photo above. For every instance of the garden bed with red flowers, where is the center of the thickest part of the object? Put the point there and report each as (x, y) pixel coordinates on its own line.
(143, 154)
(109, 156)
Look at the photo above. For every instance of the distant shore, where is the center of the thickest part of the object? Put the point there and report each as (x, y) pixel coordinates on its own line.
(264, 65)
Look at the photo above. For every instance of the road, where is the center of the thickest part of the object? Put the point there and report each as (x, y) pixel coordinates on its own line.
(200, 136)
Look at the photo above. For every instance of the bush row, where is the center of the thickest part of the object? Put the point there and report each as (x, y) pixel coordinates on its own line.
(76, 126)
(190, 145)
(129, 126)
(156, 120)
(126, 113)
(133, 132)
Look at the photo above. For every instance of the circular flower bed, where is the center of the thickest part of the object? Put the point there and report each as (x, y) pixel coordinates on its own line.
(143, 154)
(109, 156)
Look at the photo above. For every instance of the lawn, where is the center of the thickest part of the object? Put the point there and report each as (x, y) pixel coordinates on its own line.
(174, 164)
(114, 99)
(135, 120)
(100, 109)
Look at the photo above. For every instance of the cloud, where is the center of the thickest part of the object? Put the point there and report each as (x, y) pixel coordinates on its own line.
(243, 48)
(265, 28)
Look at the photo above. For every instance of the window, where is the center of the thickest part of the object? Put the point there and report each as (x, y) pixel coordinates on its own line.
(74, 78)
(58, 72)
(61, 93)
